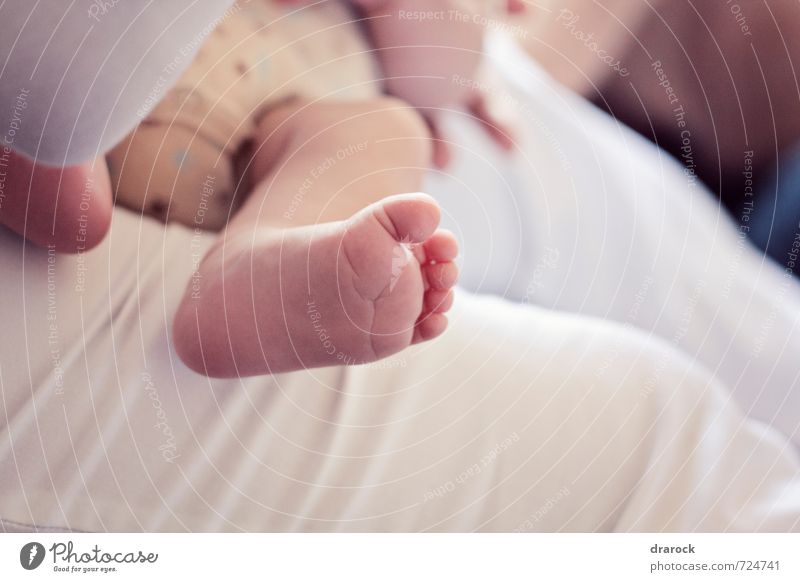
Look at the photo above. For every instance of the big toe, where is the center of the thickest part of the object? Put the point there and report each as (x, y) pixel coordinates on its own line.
(411, 218)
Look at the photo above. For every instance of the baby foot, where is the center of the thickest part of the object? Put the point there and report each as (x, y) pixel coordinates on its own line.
(395, 277)
(338, 293)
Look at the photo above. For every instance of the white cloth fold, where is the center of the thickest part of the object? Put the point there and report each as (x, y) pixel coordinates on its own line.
(589, 217)
(516, 419)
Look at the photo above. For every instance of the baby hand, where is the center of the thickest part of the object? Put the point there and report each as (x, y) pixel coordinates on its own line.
(423, 58)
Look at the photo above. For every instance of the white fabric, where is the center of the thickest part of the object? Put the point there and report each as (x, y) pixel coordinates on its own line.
(513, 420)
(593, 219)
(76, 75)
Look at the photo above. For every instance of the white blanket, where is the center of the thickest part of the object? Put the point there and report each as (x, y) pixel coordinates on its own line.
(516, 419)
(588, 217)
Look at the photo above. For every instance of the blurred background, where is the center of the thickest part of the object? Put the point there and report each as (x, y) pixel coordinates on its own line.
(713, 82)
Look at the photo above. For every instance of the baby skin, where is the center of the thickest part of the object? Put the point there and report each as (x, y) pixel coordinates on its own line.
(329, 261)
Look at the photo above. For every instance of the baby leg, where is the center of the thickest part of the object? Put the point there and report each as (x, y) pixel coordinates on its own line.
(318, 268)
(332, 159)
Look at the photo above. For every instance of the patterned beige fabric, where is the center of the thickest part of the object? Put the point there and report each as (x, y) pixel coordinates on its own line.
(259, 54)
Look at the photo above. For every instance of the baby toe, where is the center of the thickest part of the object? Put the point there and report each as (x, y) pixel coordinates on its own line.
(441, 276)
(438, 301)
(429, 327)
(410, 218)
(442, 246)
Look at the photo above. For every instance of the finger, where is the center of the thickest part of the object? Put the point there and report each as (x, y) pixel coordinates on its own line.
(441, 150)
(515, 6)
(501, 134)
(441, 154)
